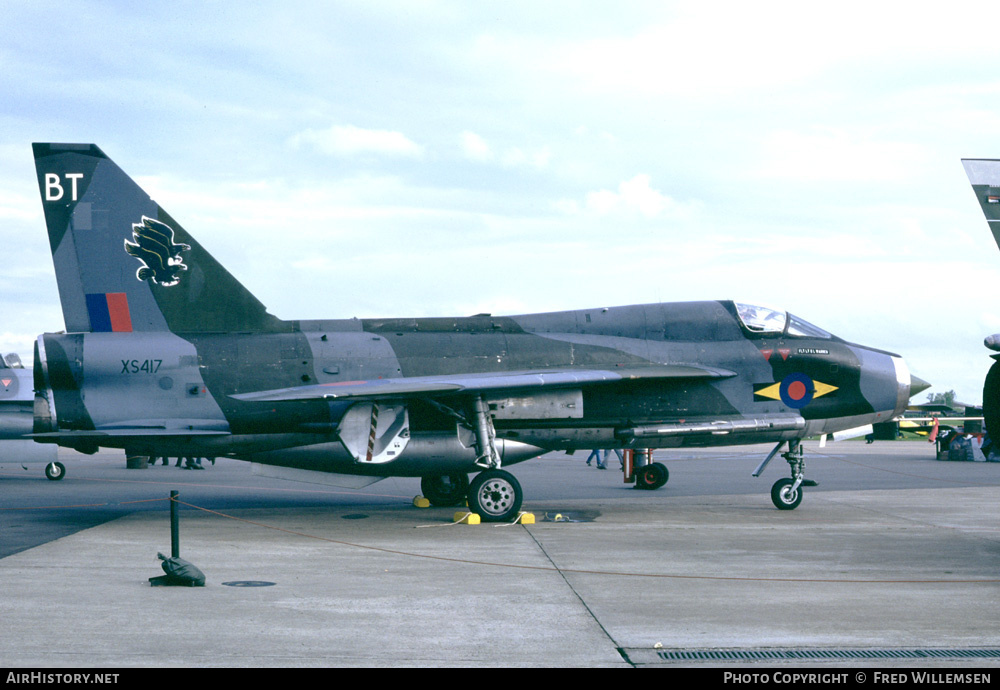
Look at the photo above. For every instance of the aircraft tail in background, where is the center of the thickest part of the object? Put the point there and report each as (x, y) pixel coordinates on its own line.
(985, 178)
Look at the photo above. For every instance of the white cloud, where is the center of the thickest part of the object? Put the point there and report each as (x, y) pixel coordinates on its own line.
(15, 206)
(516, 158)
(21, 344)
(705, 50)
(348, 140)
(475, 147)
(567, 207)
(839, 155)
(633, 196)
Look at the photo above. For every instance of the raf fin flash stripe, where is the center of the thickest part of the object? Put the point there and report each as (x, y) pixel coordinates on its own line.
(109, 312)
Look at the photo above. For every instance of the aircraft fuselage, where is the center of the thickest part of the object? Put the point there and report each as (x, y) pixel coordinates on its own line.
(769, 386)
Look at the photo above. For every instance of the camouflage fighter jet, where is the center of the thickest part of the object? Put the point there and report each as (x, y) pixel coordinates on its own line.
(166, 353)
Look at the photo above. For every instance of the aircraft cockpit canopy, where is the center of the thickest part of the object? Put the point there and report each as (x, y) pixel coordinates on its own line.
(766, 320)
(803, 328)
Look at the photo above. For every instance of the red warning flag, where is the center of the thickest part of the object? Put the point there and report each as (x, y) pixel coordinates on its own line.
(932, 437)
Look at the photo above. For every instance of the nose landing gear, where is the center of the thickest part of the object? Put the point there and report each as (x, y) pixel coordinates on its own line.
(786, 494)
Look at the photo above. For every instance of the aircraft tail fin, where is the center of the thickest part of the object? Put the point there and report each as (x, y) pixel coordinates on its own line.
(984, 175)
(123, 264)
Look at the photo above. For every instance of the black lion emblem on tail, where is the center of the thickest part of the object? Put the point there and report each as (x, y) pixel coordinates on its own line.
(154, 246)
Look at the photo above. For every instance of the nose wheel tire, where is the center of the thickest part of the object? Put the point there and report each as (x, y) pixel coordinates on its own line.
(495, 495)
(783, 497)
(55, 471)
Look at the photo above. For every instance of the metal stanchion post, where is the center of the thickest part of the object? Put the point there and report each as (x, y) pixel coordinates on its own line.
(175, 532)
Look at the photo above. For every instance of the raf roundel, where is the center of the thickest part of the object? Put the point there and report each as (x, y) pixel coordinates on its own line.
(796, 390)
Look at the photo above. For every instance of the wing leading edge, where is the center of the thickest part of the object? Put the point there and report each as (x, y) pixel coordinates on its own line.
(423, 386)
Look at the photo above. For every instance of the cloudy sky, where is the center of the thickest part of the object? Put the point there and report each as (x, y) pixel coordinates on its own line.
(448, 158)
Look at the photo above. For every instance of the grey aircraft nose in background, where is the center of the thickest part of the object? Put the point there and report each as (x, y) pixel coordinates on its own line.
(166, 353)
(16, 415)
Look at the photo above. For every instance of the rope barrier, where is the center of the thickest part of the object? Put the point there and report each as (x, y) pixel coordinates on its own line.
(88, 505)
(579, 571)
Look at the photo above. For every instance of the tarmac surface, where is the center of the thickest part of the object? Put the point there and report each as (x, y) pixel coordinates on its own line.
(893, 561)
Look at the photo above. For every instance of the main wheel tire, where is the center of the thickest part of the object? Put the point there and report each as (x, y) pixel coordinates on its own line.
(495, 495)
(784, 499)
(446, 489)
(652, 476)
(55, 471)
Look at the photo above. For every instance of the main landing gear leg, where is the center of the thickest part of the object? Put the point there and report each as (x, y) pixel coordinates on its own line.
(486, 436)
(495, 495)
(786, 494)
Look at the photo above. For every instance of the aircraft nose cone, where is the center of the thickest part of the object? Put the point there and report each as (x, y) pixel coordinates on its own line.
(918, 385)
